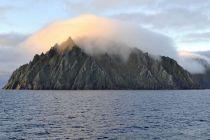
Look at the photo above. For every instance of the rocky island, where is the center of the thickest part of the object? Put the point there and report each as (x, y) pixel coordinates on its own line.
(74, 69)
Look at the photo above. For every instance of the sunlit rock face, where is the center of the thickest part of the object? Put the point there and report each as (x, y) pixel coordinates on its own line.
(76, 69)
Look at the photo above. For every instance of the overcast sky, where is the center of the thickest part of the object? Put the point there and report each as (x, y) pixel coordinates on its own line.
(187, 22)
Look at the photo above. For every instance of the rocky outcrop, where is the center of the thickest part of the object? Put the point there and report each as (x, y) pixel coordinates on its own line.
(74, 69)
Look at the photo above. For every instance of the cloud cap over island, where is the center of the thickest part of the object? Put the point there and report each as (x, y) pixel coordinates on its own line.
(188, 26)
(102, 35)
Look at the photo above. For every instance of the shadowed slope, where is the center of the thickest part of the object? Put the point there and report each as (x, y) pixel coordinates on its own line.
(74, 69)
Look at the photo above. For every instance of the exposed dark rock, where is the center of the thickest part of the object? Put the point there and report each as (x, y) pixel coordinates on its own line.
(74, 69)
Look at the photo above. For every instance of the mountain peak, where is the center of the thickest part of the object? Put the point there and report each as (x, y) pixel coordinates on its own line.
(67, 45)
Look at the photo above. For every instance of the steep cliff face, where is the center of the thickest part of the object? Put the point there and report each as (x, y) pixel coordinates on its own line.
(74, 69)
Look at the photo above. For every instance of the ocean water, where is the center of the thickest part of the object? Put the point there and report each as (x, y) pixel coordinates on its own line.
(105, 115)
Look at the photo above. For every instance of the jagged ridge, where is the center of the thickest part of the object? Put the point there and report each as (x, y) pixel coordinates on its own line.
(74, 69)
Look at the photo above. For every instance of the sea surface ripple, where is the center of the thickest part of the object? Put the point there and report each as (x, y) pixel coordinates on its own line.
(105, 115)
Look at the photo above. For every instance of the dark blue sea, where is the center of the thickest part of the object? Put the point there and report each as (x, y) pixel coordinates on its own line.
(79, 115)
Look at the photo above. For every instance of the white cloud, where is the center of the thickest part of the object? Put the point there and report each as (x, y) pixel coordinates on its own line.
(175, 19)
(195, 37)
(191, 61)
(101, 35)
(11, 55)
(11, 39)
(95, 34)
(3, 11)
